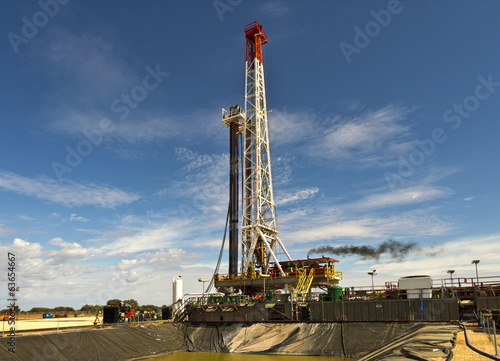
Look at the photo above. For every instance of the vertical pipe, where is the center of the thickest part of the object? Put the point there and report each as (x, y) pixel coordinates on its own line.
(488, 328)
(495, 337)
(233, 199)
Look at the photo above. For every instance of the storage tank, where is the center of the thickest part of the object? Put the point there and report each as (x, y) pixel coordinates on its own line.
(416, 286)
(335, 293)
(177, 292)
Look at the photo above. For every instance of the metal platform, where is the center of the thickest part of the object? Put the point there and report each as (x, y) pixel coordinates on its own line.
(322, 269)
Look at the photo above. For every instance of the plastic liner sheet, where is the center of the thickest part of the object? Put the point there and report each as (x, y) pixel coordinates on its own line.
(372, 341)
(119, 343)
(319, 339)
(425, 343)
(212, 337)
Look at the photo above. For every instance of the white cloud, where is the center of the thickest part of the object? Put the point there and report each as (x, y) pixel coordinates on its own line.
(27, 249)
(276, 9)
(88, 63)
(69, 251)
(301, 195)
(139, 127)
(68, 193)
(170, 256)
(455, 254)
(4, 230)
(57, 242)
(127, 264)
(372, 138)
(77, 218)
(402, 197)
(364, 135)
(141, 234)
(327, 223)
(282, 170)
(204, 186)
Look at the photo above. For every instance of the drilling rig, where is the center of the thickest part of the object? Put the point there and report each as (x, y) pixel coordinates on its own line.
(265, 262)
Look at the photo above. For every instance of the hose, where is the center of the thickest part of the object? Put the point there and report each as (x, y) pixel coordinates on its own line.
(475, 349)
(211, 284)
(421, 313)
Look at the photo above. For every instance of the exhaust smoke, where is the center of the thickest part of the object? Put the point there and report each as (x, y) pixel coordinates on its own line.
(397, 250)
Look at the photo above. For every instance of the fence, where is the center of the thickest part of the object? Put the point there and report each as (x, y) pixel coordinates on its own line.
(489, 325)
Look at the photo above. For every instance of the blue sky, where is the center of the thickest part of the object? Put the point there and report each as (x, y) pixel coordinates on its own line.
(114, 166)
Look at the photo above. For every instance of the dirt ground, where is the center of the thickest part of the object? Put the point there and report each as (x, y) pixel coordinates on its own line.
(477, 338)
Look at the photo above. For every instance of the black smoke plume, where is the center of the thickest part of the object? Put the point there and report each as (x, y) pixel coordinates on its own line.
(397, 250)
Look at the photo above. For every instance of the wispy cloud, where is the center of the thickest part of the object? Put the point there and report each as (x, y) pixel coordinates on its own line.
(88, 62)
(90, 74)
(455, 254)
(4, 230)
(75, 217)
(287, 198)
(68, 193)
(69, 251)
(402, 197)
(371, 138)
(276, 8)
(332, 224)
(359, 137)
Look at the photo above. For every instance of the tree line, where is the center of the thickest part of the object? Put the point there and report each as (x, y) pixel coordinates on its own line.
(88, 308)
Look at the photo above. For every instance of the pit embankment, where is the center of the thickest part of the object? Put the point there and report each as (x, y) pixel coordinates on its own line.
(326, 339)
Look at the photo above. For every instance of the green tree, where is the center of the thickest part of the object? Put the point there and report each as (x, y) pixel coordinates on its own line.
(91, 308)
(133, 303)
(152, 308)
(41, 310)
(115, 301)
(63, 309)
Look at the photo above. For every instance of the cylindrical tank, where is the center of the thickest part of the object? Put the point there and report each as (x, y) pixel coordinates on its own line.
(176, 291)
(335, 293)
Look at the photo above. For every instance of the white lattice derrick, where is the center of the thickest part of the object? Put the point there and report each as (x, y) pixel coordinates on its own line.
(266, 243)
(258, 231)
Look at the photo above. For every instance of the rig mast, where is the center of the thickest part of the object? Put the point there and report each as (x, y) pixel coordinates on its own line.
(259, 234)
(260, 244)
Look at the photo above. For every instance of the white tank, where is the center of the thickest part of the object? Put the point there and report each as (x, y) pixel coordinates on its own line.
(176, 291)
(416, 286)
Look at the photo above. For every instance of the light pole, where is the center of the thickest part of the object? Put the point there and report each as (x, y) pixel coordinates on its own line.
(373, 273)
(203, 290)
(476, 261)
(451, 272)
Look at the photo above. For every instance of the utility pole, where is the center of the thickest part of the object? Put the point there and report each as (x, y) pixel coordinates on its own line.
(475, 262)
(203, 290)
(373, 273)
(451, 272)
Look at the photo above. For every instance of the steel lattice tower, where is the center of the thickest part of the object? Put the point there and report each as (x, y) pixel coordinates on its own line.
(259, 235)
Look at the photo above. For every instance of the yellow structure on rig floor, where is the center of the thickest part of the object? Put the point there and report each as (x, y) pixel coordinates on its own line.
(302, 275)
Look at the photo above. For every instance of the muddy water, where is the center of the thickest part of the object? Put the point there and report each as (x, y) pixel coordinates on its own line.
(220, 356)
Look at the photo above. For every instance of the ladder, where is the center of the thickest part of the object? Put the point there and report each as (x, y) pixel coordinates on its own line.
(307, 285)
(302, 280)
(305, 282)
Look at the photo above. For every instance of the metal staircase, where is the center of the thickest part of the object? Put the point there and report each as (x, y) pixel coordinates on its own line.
(305, 282)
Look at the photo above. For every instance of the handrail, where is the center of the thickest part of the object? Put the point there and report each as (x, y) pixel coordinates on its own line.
(329, 272)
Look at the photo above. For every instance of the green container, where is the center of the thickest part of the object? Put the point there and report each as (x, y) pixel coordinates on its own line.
(335, 293)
